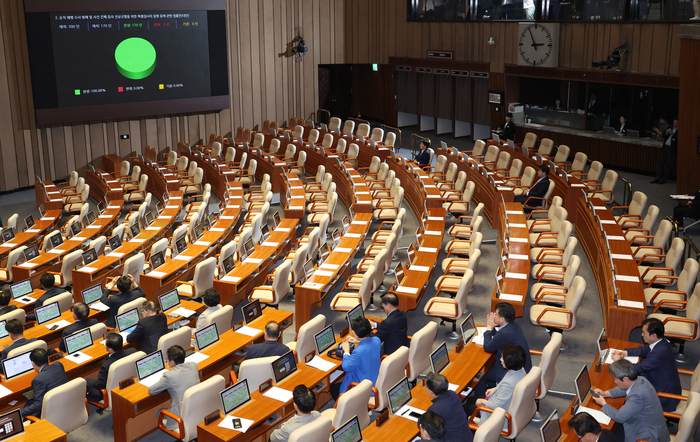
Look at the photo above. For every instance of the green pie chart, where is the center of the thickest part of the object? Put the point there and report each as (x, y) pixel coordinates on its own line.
(136, 58)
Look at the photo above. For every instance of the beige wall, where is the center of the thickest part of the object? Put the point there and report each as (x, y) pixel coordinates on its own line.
(264, 85)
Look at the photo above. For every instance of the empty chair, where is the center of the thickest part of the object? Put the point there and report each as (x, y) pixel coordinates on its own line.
(346, 301)
(203, 279)
(319, 430)
(348, 127)
(562, 155)
(529, 141)
(391, 209)
(222, 318)
(319, 209)
(279, 288)
(298, 131)
(593, 174)
(634, 228)
(536, 224)
(304, 342)
(553, 238)
(137, 194)
(256, 371)
(377, 135)
(464, 226)
(14, 255)
(688, 423)
(684, 285)
(672, 261)
(274, 146)
(64, 278)
(449, 309)
(558, 319)
(420, 350)
(634, 210)
(73, 203)
(334, 123)
(65, 406)
(490, 431)
(551, 262)
(546, 147)
(659, 242)
(391, 371)
(548, 365)
(605, 190)
(556, 287)
(362, 130)
(459, 265)
(681, 329)
(390, 140)
(351, 158)
(352, 403)
(580, 160)
(479, 149)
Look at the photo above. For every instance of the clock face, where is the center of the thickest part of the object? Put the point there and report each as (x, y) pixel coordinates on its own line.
(536, 45)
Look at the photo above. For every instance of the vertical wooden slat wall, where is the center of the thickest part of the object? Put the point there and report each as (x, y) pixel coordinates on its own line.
(264, 84)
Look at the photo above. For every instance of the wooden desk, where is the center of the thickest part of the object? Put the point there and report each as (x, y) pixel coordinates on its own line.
(293, 197)
(619, 320)
(212, 176)
(47, 193)
(274, 168)
(112, 163)
(156, 183)
(134, 411)
(52, 337)
(42, 431)
(101, 184)
(41, 227)
(515, 283)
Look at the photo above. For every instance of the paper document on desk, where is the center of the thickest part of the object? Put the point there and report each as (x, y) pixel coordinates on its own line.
(248, 331)
(25, 300)
(28, 265)
(321, 364)
(58, 324)
(279, 394)
(626, 278)
(228, 423)
(683, 197)
(323, 273)
(410, 413)
(196, 357)
(182, 311)
(598, 415)
(88, 269)
(479, 338)
(4, 391)
(352, 235)
(79, 357)
(152, 379)
(99, 306)
(609, 359)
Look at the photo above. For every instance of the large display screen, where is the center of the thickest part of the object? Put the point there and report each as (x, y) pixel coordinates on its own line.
(93, 61)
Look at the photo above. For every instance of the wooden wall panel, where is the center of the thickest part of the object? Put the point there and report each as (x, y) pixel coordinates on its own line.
(688, 161)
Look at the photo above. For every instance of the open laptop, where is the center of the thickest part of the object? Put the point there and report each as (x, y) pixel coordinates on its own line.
(11, 424)
(354, 313)
(336, 238)
(264, 233)
(323, 252)
(324, 339)
(92, 295)
(21, 289)
(346, 224)
(198, 232)
(277, 219)
(78, 341)
(168, 301)
(89, 256)
(249, 247)
(348, 432)
(251, 311)
(42, 211)
(157, 260)
(439, 359)
(603, 345)
(126, 322)
(400, 395)
(47, 313)
(235, 396)
(550, 431)
(284, 366)
(150, 365)
(17, 366)
(398, 274)
(207, 336)
(468, 329)
(29, 221)
(582, 384)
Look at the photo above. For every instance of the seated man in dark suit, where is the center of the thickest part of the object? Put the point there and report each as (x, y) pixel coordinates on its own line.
(393, 330)
(538, 190)
(113, 344)
(80, 315)
(5, 298)
(128, 291)
(447, 404)
(588, 429)
(150, 328)
(423, 157)
(271, 346)
(15, 330)
(48, 378)
(48, 283)
(658, 365)
(432, 427)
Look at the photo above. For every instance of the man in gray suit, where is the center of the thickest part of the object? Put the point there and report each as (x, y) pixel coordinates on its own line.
(181, 376)
(304, 401)
(641, 415)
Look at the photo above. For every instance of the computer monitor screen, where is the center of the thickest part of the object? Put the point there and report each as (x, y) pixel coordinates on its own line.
(550, 431)
(398, 273)
(198, 231)
(284, 366)
(354, 313)
(157, 260)
(114, 242)
(399, 395)
(212, 218)
(29, 221)
(181, 244)
(277, 219)
(264, 232)
(11, 424)
(159, 208)
(249, 247)
(56, 240)
(149, 218)
(235, 396)
(8, 234)
(468, 329)
(3, 330)
(336, 236)
(92, 294)
(47, 313)
(228, 263)
(206, 336)
(439, 359)
(348, 432)
(309, 268)
(78, 341)
(75, 229)
(325, 339)
(251, 311)
(603, 344)
(127, 320)
(324, 252)
(42, 211)
(100, 207)
(89, 256)
(21, 288)
(150, 364)
(134, 230)
(31, 252)
(17, 365)
(168, 300)
(90, 217)
(583, 384)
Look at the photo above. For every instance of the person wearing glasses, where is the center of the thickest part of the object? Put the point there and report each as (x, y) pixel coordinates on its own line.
(588, 429)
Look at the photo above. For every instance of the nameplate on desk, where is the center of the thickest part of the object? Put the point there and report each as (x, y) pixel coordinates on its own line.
(362, 223)
(578, 184)
(152, 228)
(175, 197)
(270, 244)
(514, 256)
(329, 266)
(514, 212)
(9, 244)
(323, 273)
(126, 383)
(342, 250)
(93, 226)
(428, 186)
(51, 193)
(362, 193)
(252, 261)
(229, 172)
(113, 207)
(231, 278)
(298, 197)
(403, 289)
(297, 187)
(427, 249)
(626, 278)
(78, 238)
(436, 218)
(607, 221)
(509, 297)
(88, 269)
(618, 256)
(512, 239)
(512, 275)
(105, 216)
(137, 240)
(33, 230)
(616, 238)
(155, 274)
(504, 188)
(353, 235)
(46, 218)
(202, 243)
(630, 304)
(28, 265)
(115, 255)
(217, 229)
(432, 232)
(600, 208)
(518, 225)
(111, 181)
(434, 196)
(172, 207)
(248, 331)
(172, 181)
(164, 217)
(56, 251)
(227, 217)
(183, 258)
(296, 207)
(420, 268)
(56, 200)
(312, 285)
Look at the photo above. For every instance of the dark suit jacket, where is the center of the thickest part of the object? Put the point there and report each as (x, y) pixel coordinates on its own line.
(607, 436)
(77, 326)
(148, 331)
(7, 309)
(18, 343)
(494, 340)
(596, 109)
(50, 377)
(423, 157)
(449, 406)
(118, 299)
(101, 381)
(508, 131)
(267, 348)
(47, 295)
(622, 130)
(393, 331)
(674, 139)
(659, 367)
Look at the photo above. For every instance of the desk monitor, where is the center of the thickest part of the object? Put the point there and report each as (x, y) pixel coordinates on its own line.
(90, 217)
(207, 336)
(346, 224)
(11, 424)
(308, 268)
(78, 341)
(468, 329)
(3, 331)
(205, 222)
(348, 432)
(42, 211)
(324, 252)
(169, 300)
(284, 366)
(134, 230)
(180, 245)
(325, 339)
(354, 313)
(608, 130)
(582, 384)
(264, 233)
(336, 237)
(212, 218)
(114, 242)
(89, 257)
(249, 247)
(495, 137)
(398, 274)
(21, 288)
(8, 234)
(56, 240)
(235, 396)
(29, 221)
(511, 144)
(17, 365)
(550, 431)
(149, 218)
(277, 219)
(198, 231)
(126, 322)
(100, 207)
(165, 197)
(150, 364)
(229, 264)
(75, 229)
(399, 395)
(603, 345)
(47, 313)
(251, 311)
(92, 294)
(157, 260)
(439, 359)
(159, 208)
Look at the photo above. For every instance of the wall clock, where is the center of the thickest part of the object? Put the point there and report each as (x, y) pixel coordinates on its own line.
(538, 44)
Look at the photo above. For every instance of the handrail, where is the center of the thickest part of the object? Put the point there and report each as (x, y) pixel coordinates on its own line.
(358, 120)
(627, 191)
(414, 145)
(397, 131)
(674, 225)
(691, 245)
(325, 112)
